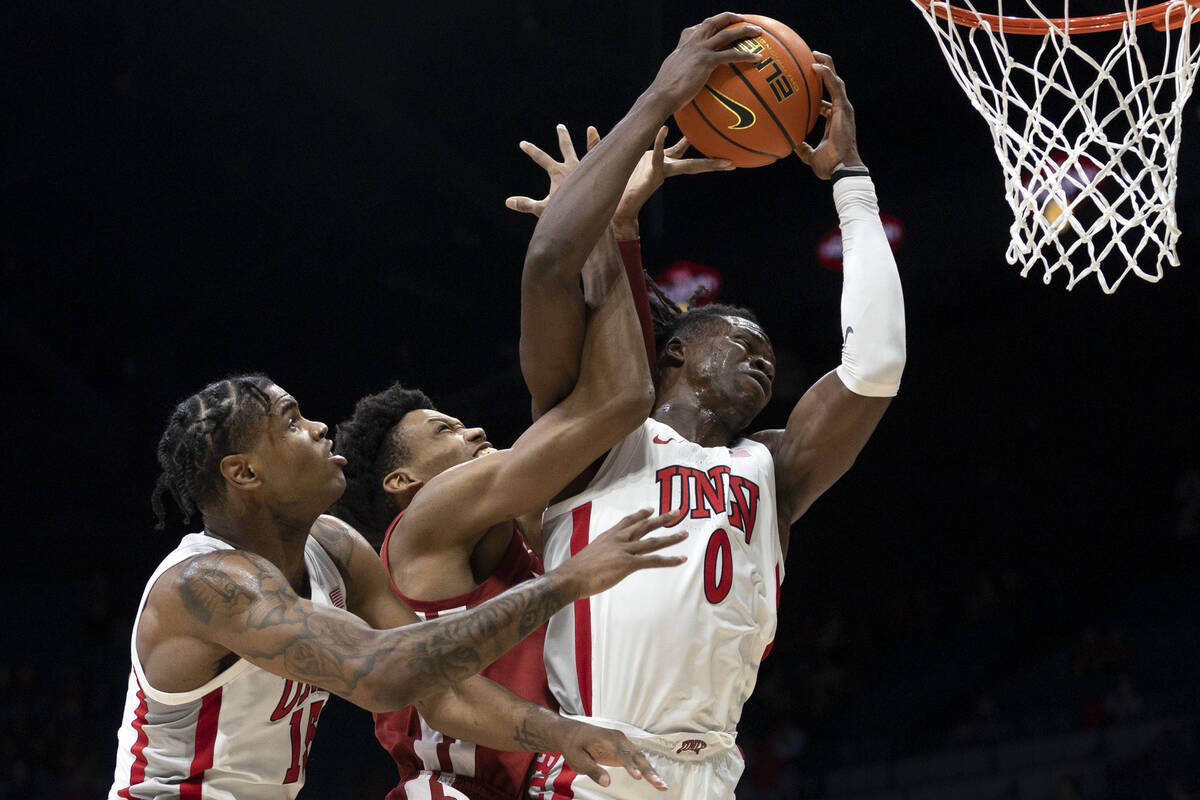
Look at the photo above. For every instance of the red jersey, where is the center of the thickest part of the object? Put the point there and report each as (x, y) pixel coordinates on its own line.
(433, 765)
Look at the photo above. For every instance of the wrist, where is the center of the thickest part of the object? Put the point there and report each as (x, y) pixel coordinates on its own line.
(849, 169)
(625, 230)
(563, 584)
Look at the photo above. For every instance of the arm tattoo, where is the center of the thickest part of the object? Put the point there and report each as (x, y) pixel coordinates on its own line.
(529, 740)
(335, 650)
(206, 589)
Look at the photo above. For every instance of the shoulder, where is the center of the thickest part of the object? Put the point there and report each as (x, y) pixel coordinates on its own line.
(219, 584)
(346, 546)
(770, 439)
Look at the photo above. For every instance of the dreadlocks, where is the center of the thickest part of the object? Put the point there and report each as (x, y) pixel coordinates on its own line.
(671, 319)
(372, 451)
(203, 429)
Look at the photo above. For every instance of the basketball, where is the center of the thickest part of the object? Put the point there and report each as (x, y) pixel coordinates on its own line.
(753, 114)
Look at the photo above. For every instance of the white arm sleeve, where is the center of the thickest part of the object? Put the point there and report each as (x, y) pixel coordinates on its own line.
(873, 350)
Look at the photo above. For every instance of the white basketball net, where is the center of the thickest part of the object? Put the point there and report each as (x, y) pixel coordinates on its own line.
(1088, 142)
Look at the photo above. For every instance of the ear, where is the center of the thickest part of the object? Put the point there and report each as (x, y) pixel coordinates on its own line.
(238, 472)
(402, 486)
(672, 352)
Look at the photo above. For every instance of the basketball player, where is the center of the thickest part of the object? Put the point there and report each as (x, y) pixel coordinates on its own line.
(702, 631)
(441, 558)
(245, 628)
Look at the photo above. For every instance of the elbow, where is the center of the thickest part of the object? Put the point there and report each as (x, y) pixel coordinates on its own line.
(541, 257)
(379, 694)
(632, 402)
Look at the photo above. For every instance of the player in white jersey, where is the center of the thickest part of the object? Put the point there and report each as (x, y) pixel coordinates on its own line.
(246, 627)
(241, 734)
(707, 627)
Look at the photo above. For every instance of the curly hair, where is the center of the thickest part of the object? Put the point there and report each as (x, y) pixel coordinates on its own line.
(671, 319)
(372, 450)
(203, 429)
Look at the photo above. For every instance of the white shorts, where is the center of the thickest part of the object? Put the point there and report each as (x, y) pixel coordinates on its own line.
(696, 766)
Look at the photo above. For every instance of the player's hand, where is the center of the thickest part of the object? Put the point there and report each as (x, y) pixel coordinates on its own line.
(700, 50)
(619, 551)
(839, 142)
(586, 747)
(556, 170)
(654, 167)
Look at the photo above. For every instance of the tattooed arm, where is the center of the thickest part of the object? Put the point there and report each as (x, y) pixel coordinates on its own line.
(236, 601)
(477, 709)
(486, 713)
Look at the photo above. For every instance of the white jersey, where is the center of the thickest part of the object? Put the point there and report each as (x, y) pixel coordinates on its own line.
(678, 649)
(244, 735)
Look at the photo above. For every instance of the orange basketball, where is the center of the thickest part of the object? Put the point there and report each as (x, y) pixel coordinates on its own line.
(753, 114)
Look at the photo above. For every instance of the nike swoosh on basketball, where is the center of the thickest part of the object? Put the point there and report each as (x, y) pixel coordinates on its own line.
(659, 440)
(745, 117)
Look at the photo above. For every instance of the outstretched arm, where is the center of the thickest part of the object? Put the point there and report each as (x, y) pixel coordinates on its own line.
(237, 601)
(833, 420)
(553, 314)
(586, 199)
(486, 713)
(477, 709)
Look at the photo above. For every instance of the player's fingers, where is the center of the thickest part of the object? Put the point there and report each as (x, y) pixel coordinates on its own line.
(718, 21)
(585, 764)
(647, 523)
(652, 543)
(526, 205)
(629, 524)
(593, 136)
(638, 766)
(826, 108)
(660, 139)
(539, 156)
(565, 145)
(804, 151)
(695, 166)
(659, 562)
(725, 38)
(823, 65)
(679, 148)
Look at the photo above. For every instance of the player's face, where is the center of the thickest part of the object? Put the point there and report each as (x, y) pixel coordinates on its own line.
(294, 460)
(436, 442)
(732, 364)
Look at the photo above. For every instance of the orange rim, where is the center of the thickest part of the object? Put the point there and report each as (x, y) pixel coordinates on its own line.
(1155, 15)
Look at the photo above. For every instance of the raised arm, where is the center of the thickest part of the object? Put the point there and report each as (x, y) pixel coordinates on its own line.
(611, 397)
(586, 199)
(833, 420)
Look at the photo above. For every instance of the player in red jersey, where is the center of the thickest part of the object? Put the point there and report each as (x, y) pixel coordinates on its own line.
(457, 541)
(449, 567)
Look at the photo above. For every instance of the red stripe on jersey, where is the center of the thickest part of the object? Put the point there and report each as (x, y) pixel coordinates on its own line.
(137, 773)
(562, 784)
(206, 740)
(443, 754)
(778, 595)
(435, 789)
(581, 523)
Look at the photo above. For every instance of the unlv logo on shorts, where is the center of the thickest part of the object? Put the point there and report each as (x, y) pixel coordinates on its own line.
(691, 746)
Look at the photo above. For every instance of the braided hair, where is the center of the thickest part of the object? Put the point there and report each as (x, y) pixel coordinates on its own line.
(372, 451)
(203, 429)
(672, 320)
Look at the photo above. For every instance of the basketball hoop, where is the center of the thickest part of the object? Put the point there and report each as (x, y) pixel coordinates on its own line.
(1088, 140)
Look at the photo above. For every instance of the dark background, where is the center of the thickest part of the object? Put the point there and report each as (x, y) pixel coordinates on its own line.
(316, 190)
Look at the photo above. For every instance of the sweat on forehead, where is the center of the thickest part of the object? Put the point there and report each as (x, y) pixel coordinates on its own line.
(707, 319)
